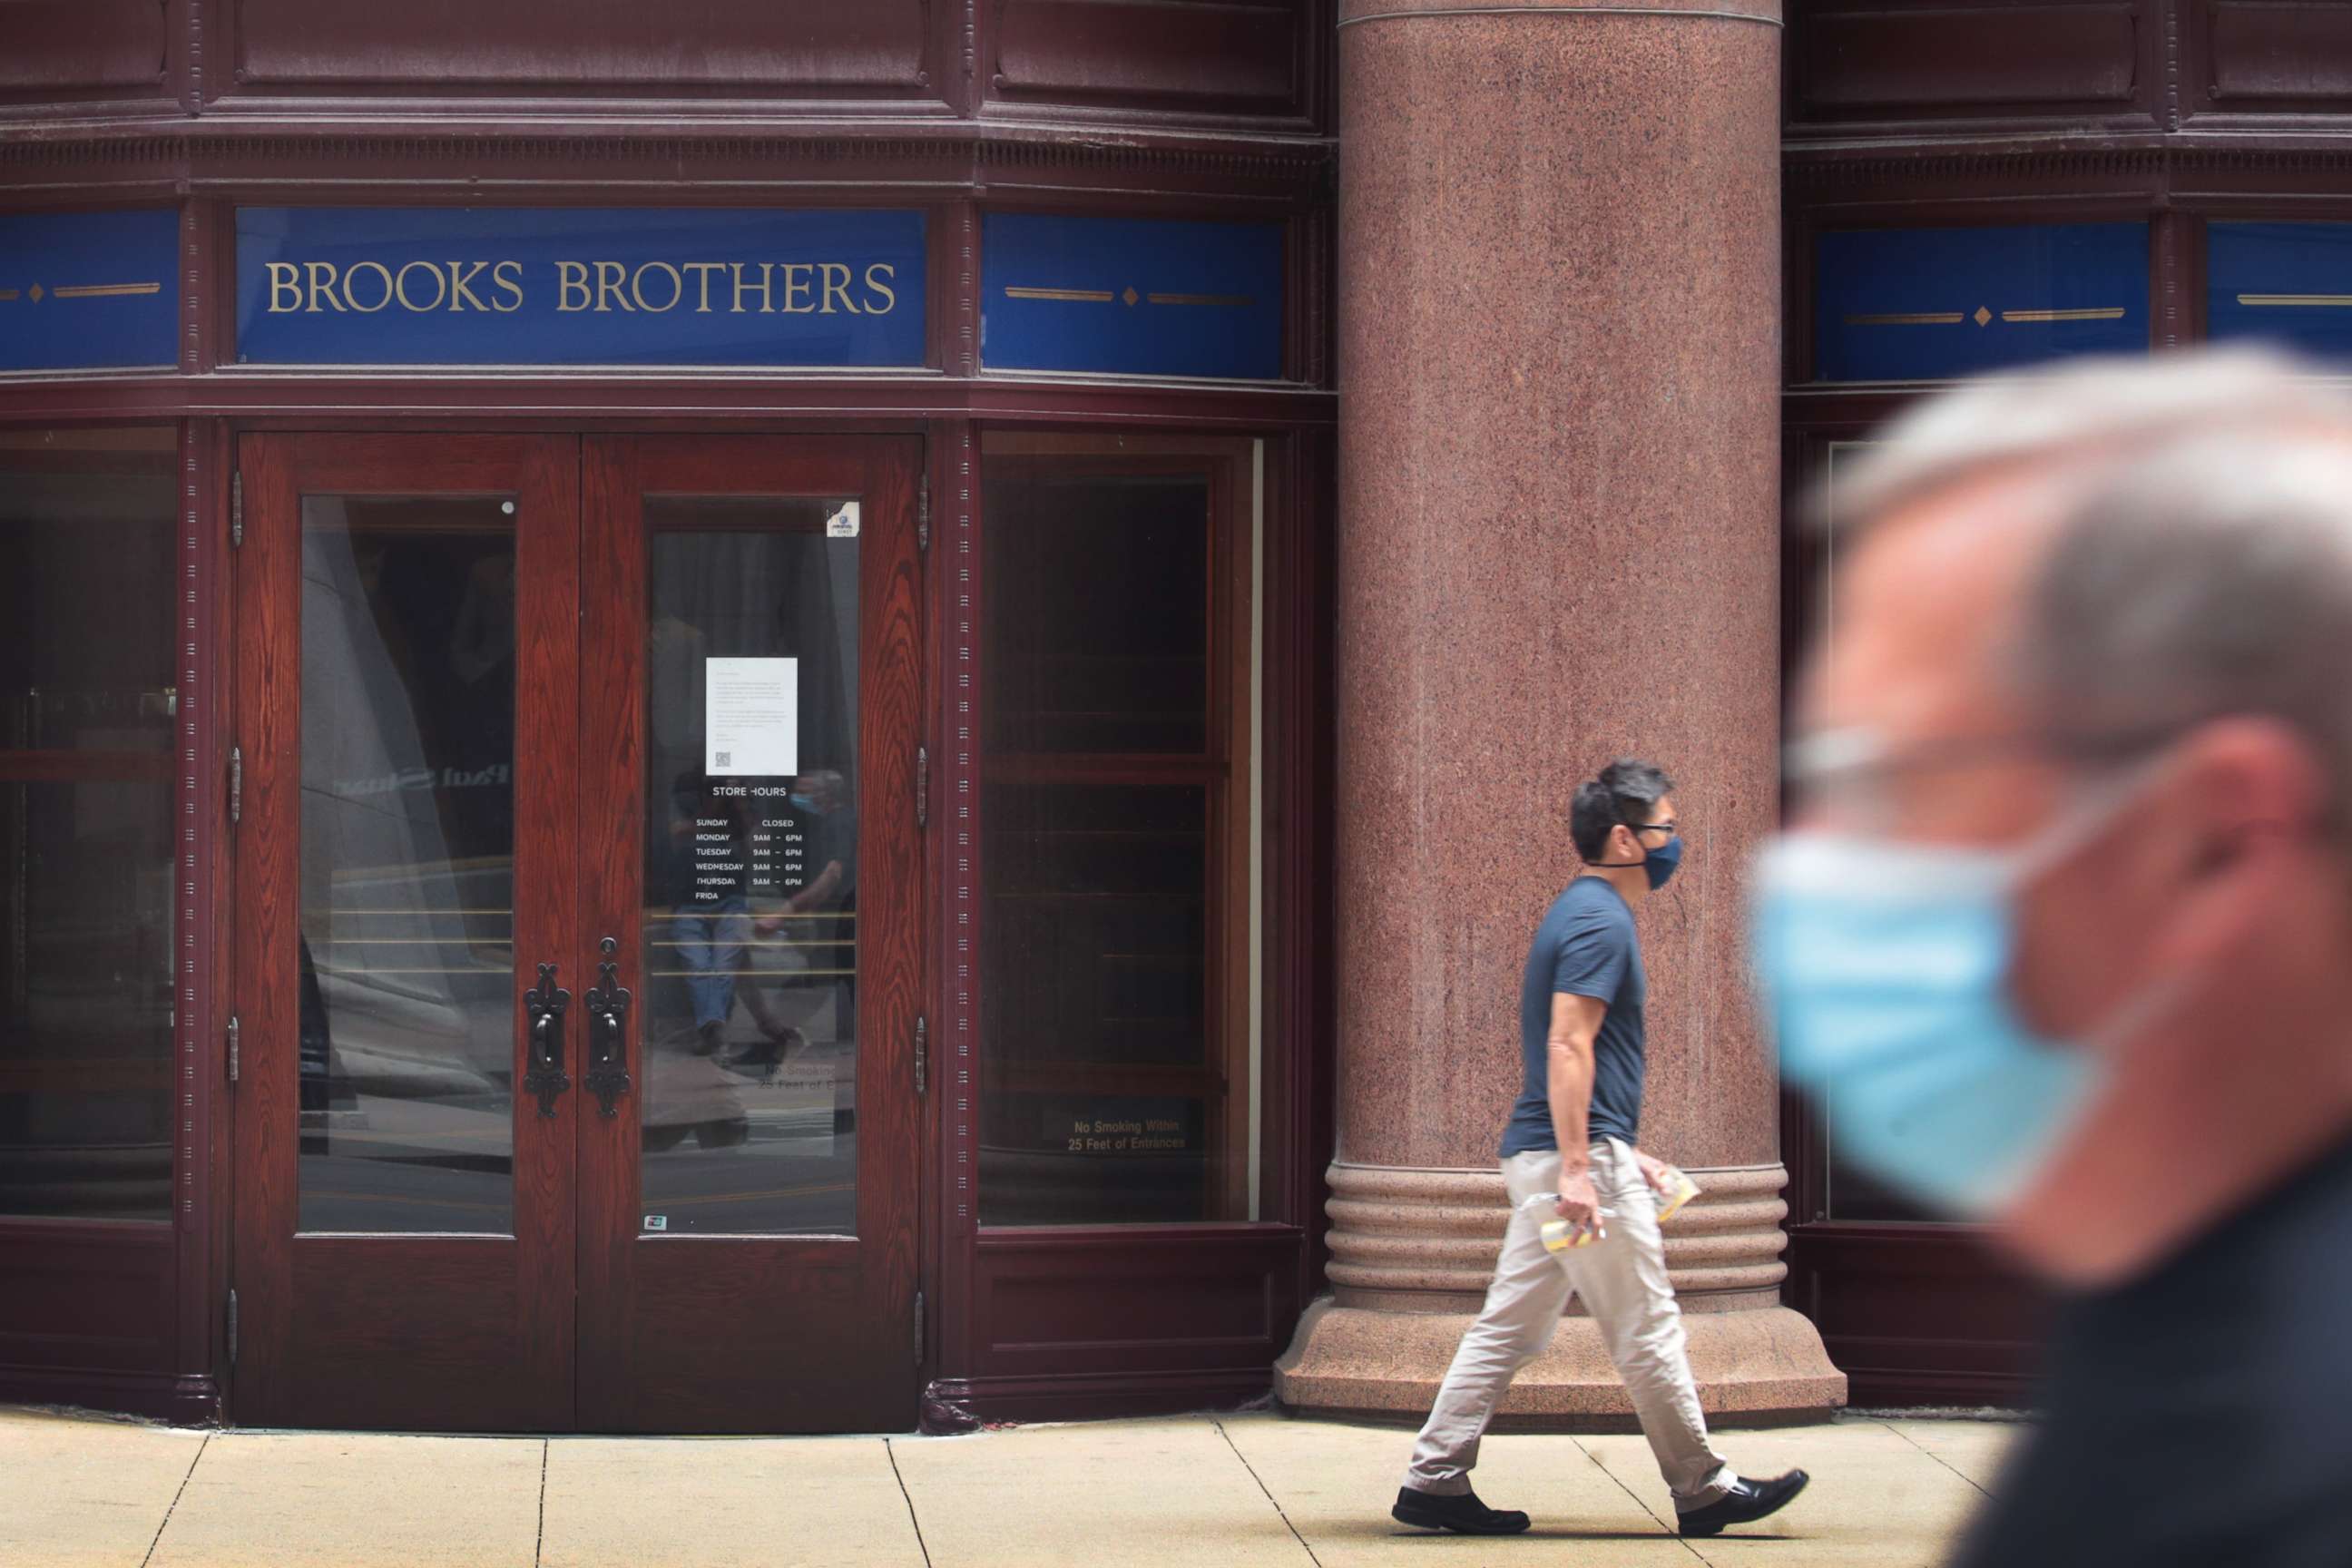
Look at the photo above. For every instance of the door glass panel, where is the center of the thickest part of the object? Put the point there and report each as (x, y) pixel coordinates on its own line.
(749, 1112)
(86, 785)
(407, 873)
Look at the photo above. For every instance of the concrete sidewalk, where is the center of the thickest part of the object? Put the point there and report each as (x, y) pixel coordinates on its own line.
(1227, 1489)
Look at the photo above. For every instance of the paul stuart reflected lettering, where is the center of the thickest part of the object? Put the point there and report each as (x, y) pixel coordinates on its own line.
(589, 287)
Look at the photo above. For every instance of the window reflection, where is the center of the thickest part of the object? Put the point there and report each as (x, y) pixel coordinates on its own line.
(86, 805)
(407, 920)
(749, 1115)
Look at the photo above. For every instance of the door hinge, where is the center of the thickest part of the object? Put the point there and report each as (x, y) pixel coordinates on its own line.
(923, 513)
(236, 509)
(235, 1059)
(918, 1327)
(922, 1054)
(232, 1325)
(237, 783)
(922, 786)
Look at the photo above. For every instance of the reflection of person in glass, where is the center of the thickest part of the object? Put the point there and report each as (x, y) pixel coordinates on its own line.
(709, 875)
(814, 805)
(709, 895)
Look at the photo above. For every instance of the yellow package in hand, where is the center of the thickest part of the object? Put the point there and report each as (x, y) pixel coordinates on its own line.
(1680, 1190)
(1557, 1234)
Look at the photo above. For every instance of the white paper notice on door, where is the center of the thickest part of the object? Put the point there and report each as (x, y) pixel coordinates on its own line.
(751, 716)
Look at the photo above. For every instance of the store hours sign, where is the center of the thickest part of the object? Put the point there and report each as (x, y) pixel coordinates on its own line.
(608, 287)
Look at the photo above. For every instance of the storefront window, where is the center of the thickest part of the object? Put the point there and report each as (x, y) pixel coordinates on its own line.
(86, 777)
(1118, 825)
(1849, 1192)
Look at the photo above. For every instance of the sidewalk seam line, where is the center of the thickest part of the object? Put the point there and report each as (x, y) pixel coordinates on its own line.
(178, 1493)
(1935, 1456)
(1676, 1536)
(1278, 1510)
(539, 1546)
(908, 1498)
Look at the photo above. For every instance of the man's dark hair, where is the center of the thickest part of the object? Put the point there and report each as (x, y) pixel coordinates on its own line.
(1627, 791)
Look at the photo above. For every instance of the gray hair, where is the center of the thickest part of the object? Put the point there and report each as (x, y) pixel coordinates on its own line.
(2202, 560)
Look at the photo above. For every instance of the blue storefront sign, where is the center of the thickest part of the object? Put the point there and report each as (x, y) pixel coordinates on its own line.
(89, 290)
(579, 286)
(2288, 282)
(1134, 296)
(1928, 304)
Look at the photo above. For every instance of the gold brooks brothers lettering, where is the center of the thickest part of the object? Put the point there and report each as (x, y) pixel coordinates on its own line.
(655, 287)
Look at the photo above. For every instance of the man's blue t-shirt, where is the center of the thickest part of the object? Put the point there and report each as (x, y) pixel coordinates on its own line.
(1585, 947)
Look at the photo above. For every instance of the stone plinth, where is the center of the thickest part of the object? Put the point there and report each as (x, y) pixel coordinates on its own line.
(1559, 320)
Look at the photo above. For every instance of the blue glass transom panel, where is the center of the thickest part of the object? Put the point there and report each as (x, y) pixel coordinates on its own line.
(1134, 296)
(2289, 282)
(89, 290)
(579, 286)
(1929, 304)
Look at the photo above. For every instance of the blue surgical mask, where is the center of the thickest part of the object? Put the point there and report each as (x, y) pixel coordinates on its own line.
(1885, 967)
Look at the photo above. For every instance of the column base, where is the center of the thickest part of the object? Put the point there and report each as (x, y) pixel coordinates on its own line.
(1764, 1366)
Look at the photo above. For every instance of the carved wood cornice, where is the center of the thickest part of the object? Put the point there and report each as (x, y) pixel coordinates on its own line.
(1824, 165)
(948, 153)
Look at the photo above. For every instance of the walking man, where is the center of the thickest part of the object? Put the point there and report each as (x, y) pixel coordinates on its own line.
(1569, 1154)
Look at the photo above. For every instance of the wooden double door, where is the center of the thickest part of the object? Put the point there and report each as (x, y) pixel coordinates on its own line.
(578, 933)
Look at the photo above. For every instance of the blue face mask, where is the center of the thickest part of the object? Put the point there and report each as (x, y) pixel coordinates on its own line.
(1660, 863)
(1884, 968)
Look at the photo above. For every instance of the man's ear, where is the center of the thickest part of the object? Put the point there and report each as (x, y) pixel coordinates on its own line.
(2251, 792)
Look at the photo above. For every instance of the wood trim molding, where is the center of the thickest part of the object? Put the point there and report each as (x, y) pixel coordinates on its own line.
(955, 153)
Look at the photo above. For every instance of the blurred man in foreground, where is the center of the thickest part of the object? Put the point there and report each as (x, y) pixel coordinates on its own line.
(2065, 920)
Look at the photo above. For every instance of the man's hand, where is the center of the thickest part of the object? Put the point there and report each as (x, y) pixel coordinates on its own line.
(1654, 1170)
(1579, 1203)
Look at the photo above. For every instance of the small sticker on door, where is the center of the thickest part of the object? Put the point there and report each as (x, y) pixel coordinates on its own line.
(656, 1222)
(843, 524)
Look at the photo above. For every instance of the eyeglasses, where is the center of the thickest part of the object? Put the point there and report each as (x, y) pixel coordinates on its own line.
(1852, 771)
(1671, 829)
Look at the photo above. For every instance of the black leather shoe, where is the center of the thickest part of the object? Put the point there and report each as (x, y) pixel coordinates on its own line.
(1463, 1515)
(1744, 1503)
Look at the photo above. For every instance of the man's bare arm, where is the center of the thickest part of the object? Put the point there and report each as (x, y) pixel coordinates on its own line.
(1575, 1025)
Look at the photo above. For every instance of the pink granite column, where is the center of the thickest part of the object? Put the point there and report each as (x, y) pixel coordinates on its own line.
(1559, 542)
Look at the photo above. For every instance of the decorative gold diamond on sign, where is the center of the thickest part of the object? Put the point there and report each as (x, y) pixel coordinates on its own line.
(1130, 296)
(36, 293)
(1984, 315)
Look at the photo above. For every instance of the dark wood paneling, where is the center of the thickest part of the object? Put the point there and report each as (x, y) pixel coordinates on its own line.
(2268, 56)
(1917, 1314)
(1140, 1299)
(428, 50)
(86, 1298)
(1995, 60)
(352, 403)
(84, 52)
(189, 1401)
(1246, 59)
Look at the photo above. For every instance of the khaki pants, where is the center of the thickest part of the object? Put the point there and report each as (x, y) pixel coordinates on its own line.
(1622, 1282)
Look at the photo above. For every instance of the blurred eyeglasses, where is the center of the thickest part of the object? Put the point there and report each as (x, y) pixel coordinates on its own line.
(1855, 779)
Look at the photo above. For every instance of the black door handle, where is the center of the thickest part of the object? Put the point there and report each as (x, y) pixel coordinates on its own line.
(608, 1016)
(543, 1005)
